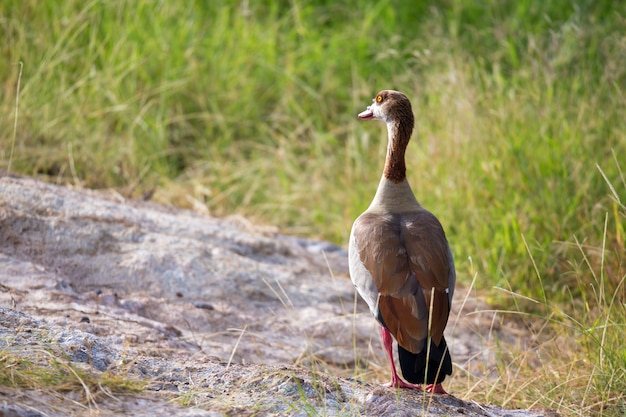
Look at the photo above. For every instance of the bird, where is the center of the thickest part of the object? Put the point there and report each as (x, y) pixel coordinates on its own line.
(400, 261)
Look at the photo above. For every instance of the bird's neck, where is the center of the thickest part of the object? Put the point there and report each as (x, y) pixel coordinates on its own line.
(394, 193)
(395, 167)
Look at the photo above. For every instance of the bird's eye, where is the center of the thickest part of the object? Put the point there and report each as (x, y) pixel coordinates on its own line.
(379, 98)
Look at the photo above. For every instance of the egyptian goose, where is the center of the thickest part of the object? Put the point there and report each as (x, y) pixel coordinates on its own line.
(400, 261)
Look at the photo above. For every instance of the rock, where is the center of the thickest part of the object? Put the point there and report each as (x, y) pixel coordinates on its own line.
(217, 314)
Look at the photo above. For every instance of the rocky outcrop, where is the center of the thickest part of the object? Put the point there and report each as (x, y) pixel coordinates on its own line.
(214, 316)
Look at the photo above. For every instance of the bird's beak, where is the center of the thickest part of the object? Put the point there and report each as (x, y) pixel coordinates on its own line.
(367, 114)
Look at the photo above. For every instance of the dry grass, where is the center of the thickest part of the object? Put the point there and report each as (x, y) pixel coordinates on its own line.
(44, 371)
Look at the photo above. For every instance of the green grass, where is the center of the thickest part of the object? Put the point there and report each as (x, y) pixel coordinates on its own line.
(250, 108)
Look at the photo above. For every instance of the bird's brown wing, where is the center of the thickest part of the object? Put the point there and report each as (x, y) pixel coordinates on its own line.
(431, 262)
(408, 258)
(378, 239)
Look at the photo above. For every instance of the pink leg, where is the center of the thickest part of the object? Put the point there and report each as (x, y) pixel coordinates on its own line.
(436, 389)
(396, 381)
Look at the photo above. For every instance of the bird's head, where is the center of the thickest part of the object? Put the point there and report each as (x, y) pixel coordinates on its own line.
(389, 106)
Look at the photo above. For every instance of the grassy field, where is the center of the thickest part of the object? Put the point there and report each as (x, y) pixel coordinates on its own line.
(250, 108)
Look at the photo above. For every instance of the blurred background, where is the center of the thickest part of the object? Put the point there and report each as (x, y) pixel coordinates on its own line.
(249, 108)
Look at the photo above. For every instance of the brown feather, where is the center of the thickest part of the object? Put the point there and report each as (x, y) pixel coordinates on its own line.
(398, 314)
(408, 258)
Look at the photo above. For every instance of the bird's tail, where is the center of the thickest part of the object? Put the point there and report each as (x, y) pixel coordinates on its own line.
(428, 366)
